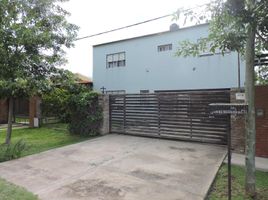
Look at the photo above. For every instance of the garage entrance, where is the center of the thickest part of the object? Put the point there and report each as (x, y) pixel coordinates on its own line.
(182, 115)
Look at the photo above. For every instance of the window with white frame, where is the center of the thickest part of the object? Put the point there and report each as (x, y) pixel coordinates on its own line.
(144, 91)
(217, 52)
(116, 60)
(115, 92)
(206, 52)
(165, 47)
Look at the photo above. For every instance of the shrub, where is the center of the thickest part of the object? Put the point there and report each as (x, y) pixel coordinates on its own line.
(85, 114)
(12, 151)
(55, 104)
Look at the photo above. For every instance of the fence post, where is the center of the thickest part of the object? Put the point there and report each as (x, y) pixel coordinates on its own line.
(104, 102)
(191, 118)
(159, 119)
(34, 111)
(124, 113)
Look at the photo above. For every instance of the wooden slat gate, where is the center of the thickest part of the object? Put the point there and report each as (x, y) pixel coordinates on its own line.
(183, 115)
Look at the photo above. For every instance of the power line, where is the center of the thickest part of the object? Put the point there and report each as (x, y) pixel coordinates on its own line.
(136, 24)
(123, 27)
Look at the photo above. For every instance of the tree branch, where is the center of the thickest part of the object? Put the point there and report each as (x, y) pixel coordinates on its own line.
(262, 38)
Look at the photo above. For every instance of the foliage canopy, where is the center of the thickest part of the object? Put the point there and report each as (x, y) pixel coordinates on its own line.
(228, 24)
(33, 34)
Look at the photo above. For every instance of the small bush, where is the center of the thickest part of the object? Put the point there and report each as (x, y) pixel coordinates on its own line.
(12, 151)
(85, 114)
(55, 104)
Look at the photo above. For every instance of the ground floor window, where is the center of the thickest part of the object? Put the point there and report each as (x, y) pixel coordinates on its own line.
(115, 92)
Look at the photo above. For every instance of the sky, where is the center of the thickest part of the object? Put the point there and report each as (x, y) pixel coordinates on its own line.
(94, 16)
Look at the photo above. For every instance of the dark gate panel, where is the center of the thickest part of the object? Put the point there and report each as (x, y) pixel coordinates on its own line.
(21, 107)
(21, 111)
(181, 115)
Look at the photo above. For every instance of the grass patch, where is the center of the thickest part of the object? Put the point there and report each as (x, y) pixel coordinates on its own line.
(219, 189)
(41, 139)
(10, 191)
(22, 120)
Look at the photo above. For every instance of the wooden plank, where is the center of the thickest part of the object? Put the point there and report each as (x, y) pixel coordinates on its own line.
(172, 137)
(197, 127)
(190, 122)
(194, 131)
(194, 135)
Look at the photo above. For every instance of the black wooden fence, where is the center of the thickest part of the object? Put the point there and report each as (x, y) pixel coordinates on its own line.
(181, 115)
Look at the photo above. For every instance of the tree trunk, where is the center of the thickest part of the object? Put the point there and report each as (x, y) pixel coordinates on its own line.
(10, 117)
(250, 119)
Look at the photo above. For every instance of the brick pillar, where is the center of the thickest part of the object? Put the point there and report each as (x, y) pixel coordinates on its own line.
(238, 131)
(262, 120)
(104, 103)
(238, 123)
(34, 110)
(3, 111)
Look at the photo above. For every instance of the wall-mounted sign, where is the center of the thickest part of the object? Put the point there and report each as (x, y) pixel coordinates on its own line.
(240, 96)
(228, 108)
(260, 112)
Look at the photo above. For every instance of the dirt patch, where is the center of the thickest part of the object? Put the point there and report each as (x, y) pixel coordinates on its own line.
(148, 175)
(95, 189)
(182, 149)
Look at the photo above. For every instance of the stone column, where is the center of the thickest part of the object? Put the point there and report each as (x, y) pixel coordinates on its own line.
(104, 103)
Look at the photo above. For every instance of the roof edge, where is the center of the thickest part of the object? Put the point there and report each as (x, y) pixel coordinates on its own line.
(153, 34)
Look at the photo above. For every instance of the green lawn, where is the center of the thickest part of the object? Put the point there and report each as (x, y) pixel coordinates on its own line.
(219, 188)
(9, 191)
(44, 138)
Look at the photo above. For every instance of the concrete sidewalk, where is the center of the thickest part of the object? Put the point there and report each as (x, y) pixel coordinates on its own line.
(239, 159)
(3, 127)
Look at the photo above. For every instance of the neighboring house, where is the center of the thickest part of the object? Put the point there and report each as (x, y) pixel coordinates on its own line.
(84, 80)
(21, 112)
(148, 63)
(22, 106)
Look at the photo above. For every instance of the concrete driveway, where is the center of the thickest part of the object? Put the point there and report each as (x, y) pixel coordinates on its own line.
(118, 167)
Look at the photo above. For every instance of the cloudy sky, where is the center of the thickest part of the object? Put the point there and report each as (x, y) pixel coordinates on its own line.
(94, 16)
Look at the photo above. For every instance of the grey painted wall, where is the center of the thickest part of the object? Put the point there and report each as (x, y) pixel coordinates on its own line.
(146, 68)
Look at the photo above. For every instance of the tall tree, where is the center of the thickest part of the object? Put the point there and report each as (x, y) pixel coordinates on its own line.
(242, 26)
(33, 35)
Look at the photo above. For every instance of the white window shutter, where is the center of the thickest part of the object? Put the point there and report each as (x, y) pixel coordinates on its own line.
(115, 57)
(122, 56)
(110, 58)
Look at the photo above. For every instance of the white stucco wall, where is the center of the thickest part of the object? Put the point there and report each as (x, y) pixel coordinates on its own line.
(148, 69)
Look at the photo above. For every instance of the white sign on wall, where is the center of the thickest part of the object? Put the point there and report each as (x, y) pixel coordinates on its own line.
(240, 96)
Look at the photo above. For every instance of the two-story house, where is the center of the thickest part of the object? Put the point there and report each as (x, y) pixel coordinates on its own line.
(148, 64)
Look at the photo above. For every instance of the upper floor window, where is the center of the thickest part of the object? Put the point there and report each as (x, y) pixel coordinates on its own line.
(207, 51)
(165, 47)
(116, 60)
